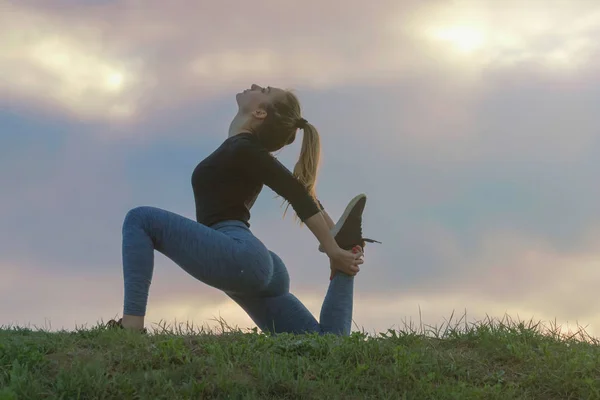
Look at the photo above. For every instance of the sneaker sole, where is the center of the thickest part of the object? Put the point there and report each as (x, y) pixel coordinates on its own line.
(335, 230)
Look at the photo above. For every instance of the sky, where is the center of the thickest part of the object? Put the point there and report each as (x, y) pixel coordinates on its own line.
(471, 126)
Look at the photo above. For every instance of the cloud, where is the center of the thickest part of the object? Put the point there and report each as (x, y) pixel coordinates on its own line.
(510, 33)
(501, 269)
(99, 61)
(438, 312)
(65, 63)
(117, 60)
(57, 298)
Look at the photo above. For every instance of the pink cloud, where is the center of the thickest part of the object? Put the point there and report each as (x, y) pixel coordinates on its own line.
(119, 60)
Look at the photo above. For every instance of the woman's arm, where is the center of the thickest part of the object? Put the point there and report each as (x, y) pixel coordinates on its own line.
(261, 165)
(328, 220)
(319, 227)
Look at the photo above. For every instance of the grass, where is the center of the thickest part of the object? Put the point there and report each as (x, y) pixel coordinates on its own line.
(486, 360)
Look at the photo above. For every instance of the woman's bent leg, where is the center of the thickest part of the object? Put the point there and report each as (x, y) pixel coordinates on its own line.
(336, 312)
(279, 314)
(230, 259)
(277, 310)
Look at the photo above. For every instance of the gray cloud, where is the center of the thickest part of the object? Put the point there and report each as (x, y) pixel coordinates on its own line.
(120, 60)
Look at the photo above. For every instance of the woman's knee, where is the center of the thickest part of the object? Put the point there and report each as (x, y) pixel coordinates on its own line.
(136, 216)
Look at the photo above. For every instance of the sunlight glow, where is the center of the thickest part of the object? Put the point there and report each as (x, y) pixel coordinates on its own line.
(464, 38)
(114, 81)
(495, 34)
(65, 66)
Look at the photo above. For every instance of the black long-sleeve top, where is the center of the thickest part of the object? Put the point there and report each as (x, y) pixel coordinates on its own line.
(228, 181)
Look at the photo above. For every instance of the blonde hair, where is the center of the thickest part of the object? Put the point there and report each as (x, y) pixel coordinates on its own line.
(279, 129)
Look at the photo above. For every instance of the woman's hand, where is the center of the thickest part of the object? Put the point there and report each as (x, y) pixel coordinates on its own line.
(340, 259)
(345, 261)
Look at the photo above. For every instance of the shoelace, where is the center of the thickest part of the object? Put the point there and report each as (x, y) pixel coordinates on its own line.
(363, 238)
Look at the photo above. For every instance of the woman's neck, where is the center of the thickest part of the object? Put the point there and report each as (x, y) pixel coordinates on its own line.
(239, 124)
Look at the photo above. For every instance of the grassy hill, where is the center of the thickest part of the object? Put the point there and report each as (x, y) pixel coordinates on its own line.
(487, 360)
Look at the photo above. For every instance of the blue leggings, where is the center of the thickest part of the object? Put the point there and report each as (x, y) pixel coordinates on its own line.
(229, 257)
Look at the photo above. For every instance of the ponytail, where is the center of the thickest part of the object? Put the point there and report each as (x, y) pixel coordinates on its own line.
(307, 167)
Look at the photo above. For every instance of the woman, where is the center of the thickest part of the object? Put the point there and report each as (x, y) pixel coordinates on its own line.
(219, 248)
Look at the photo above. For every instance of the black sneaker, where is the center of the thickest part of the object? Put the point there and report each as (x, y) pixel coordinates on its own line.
(113, 324)
(348, 230)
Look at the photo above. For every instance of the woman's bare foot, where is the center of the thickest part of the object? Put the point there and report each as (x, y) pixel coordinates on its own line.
(133, 322)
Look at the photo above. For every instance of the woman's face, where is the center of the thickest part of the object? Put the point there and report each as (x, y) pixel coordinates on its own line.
(253, 98)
